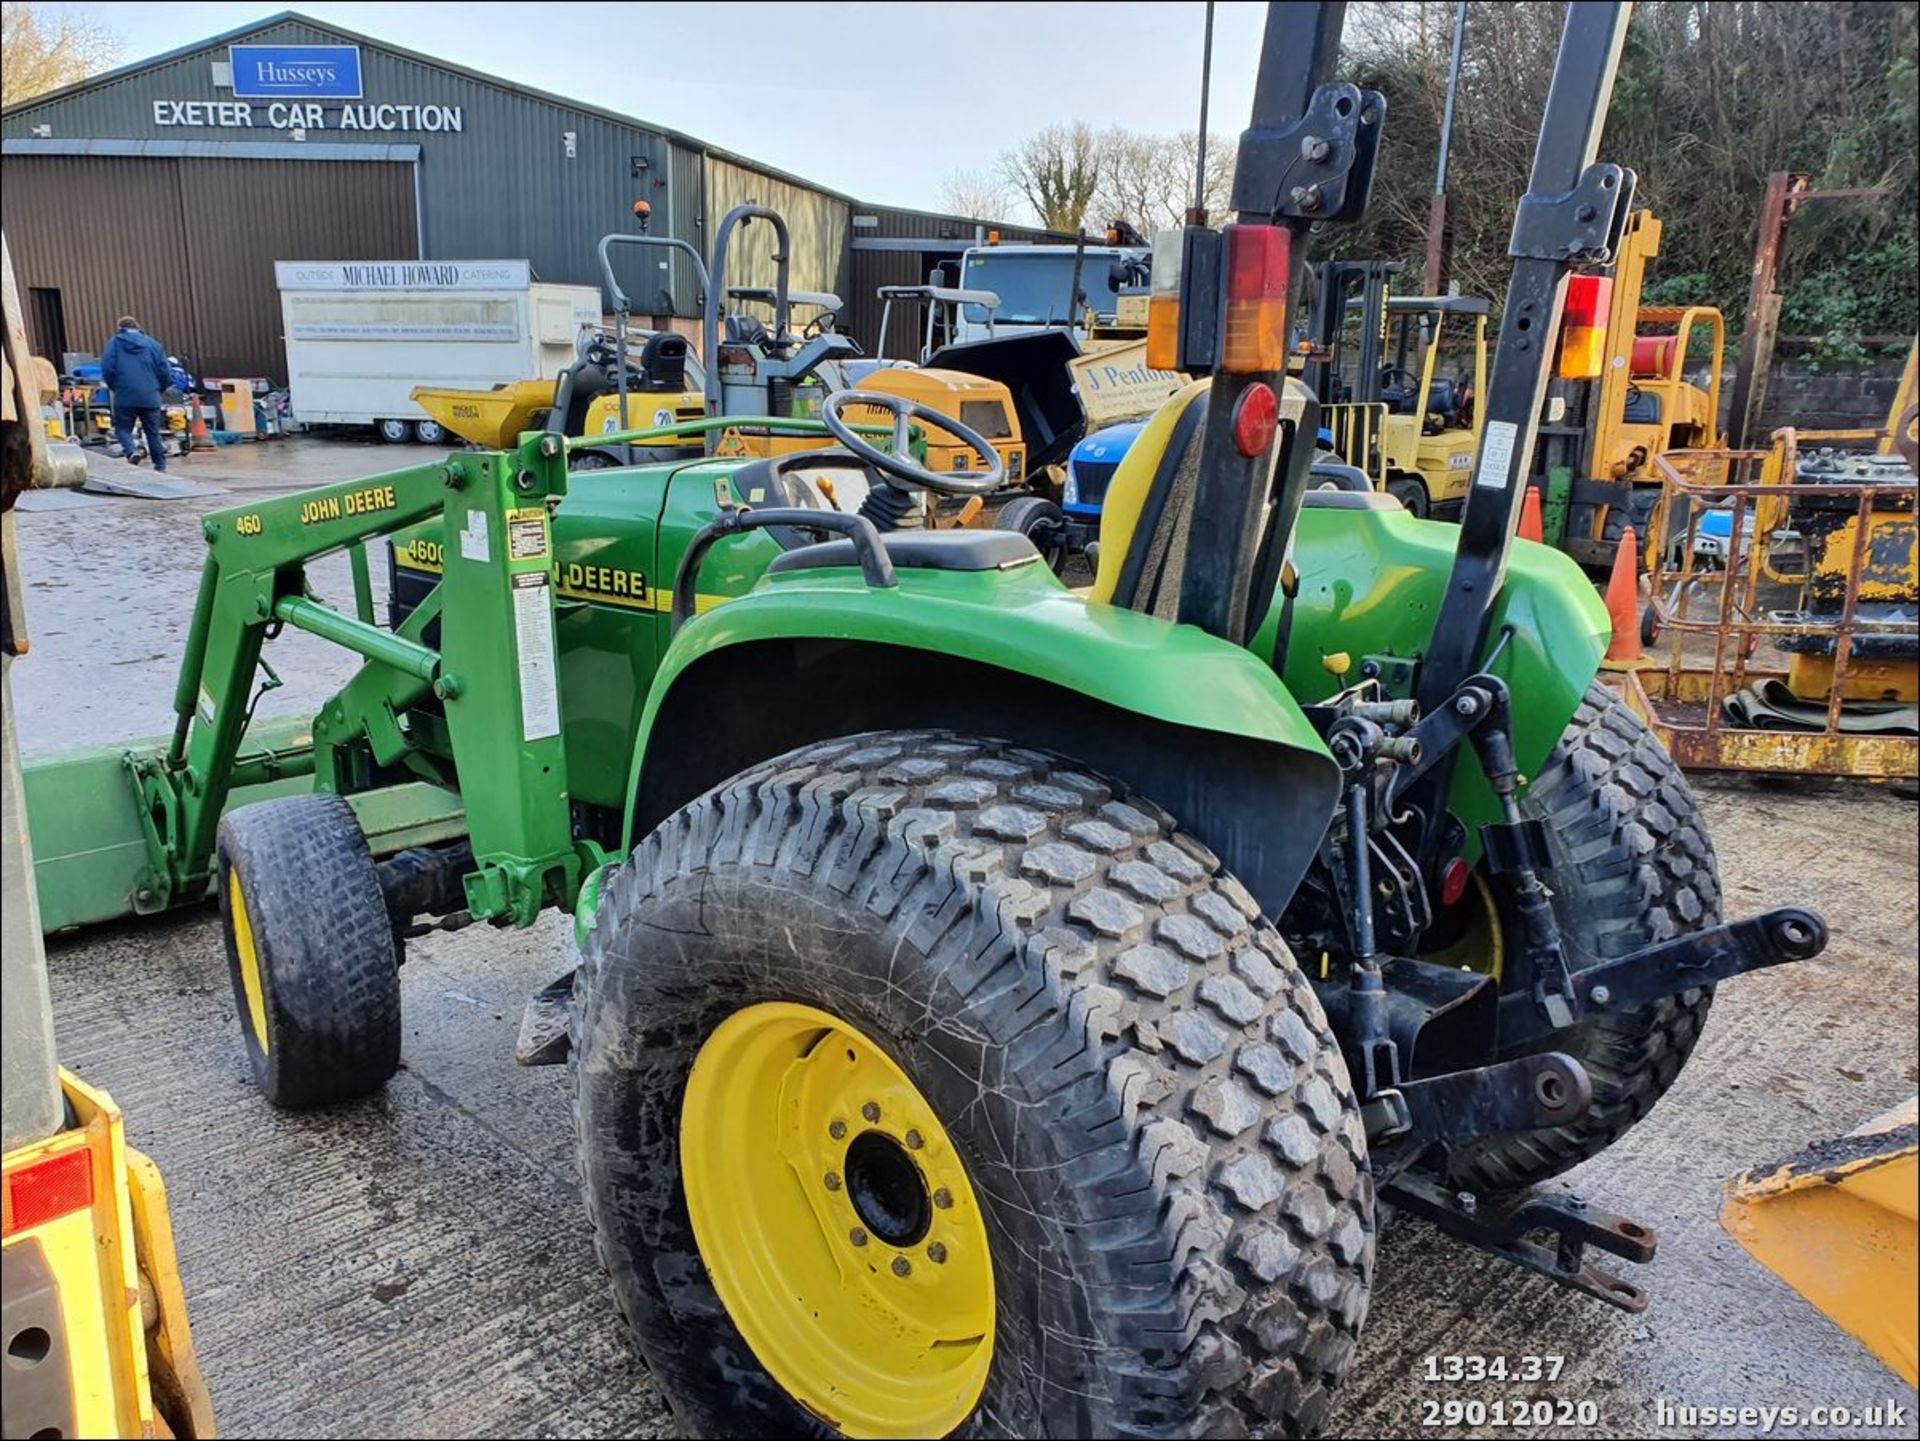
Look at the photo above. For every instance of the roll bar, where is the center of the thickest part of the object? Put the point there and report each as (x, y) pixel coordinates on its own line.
(622, 308)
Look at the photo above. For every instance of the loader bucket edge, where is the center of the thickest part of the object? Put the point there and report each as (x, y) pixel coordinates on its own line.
(90, 846)
(1838, 1224)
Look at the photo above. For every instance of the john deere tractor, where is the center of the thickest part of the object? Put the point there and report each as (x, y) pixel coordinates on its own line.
(998, 1009)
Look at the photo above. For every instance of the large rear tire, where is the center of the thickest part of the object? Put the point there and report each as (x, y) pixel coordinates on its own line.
(310, 950)
(1632, 865)
(1113, 1068)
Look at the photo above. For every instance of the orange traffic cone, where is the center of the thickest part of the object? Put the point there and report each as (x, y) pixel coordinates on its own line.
(1623, 603)
(1531, 525)
(198, 436)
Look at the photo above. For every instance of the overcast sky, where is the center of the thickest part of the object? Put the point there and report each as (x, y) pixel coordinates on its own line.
(882, 101)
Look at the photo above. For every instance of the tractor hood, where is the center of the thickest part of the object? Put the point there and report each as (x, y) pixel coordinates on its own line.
(1033, 365)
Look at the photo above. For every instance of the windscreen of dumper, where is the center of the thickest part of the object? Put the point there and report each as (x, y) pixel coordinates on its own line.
(1033, 288)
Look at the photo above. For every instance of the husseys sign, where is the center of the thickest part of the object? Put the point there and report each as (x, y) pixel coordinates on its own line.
(297, 82)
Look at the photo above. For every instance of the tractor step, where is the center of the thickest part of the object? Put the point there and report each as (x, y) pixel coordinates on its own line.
(1508, 1229)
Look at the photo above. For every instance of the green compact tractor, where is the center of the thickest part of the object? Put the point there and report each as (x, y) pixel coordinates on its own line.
(999, 1009)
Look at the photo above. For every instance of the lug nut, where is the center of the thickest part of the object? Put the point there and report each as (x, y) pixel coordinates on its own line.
(838, 1130)
(857, 1236)
(913, 1140)
(833, 1181)
(870, 1112)
(902, 1266)
(937, 1253)
(943, 1198)
(1600, 995)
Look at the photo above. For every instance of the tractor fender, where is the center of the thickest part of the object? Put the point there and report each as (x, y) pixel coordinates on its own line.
(1372, 579)
(1202, 727)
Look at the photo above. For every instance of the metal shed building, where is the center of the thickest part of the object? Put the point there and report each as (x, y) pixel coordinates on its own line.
(169, 187)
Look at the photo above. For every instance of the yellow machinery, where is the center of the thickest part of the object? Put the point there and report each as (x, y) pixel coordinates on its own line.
(1600, 439)
(1432, 425)
(1398, 379)
(1809, 549)
(94, 1323)
(493, 418)
(660, 394)
(983, 406)
(1838, 1224)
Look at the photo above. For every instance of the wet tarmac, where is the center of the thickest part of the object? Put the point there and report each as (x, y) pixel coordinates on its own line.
(419, 1265)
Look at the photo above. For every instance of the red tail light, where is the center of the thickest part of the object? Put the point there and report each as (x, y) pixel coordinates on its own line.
(47, 1189)
(1254, 340)
(1583, 327)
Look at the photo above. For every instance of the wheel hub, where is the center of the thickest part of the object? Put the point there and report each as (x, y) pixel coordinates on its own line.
(887, 1189)
(837, 1222)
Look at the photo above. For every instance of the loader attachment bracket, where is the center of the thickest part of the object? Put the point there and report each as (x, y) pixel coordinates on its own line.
(1317, 167)
(1580, 225)
(1510, 1228)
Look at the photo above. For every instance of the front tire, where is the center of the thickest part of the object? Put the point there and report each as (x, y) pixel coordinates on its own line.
(429, 432)
(1632, 865)
(310, 950)
(1412, 495)
(1136, 1082)
(1040, 521)
(393, 432)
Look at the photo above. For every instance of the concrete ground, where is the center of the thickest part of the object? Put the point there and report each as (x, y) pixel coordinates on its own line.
(419, 1265)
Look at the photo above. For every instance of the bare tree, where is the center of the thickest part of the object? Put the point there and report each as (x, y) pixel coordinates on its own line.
(976, 194)
(1058, 171)
(38, 53)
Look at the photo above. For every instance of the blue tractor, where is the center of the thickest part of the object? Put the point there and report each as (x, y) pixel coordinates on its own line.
(1072, 526)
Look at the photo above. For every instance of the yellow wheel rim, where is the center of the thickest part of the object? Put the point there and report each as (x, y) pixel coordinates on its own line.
(837, 1223)
(243, 946)
(1483, 945)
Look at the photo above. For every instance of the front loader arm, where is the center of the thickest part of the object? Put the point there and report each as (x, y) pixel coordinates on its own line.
(501, 710)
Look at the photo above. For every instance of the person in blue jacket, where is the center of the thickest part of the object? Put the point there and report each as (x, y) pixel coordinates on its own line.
(134, 366)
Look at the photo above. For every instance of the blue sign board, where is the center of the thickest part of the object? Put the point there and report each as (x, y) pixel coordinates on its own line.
(281, 72)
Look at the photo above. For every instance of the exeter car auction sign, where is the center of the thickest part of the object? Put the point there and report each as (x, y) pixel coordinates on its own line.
(306, 87)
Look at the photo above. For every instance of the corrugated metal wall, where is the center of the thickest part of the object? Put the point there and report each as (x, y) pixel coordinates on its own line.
(687, 194)
(188, 245)
(526, 175)
(504, 187)
(816, 228)
(131, 260)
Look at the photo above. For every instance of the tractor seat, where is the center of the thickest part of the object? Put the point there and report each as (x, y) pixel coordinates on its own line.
(920, 550)
(663, 363)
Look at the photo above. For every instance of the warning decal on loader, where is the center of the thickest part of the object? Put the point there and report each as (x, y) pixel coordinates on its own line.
(533, 640)
(526, 534)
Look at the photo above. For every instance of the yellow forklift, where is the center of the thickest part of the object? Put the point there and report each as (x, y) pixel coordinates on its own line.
(1398, 377)
(1600, 438)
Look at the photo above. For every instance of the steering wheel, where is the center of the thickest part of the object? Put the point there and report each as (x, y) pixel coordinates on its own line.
(1393, 374)
(898, 463)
